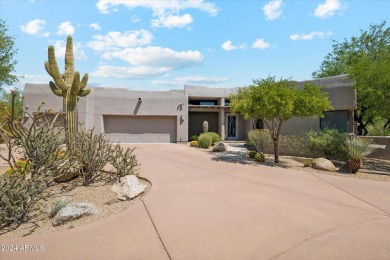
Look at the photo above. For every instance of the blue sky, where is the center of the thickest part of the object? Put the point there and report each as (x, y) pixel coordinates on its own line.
(162, 45)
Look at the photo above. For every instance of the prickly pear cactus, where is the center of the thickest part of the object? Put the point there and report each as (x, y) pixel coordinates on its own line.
(205, 126)
(69, 87)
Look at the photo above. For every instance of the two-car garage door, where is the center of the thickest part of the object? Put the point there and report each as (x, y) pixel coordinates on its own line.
(140, 129)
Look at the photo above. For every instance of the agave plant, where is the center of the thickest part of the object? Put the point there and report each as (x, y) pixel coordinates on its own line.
(357, 148)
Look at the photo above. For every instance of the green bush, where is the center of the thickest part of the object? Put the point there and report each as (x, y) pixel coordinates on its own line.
(259, 157)
(194, 138)
(252, 154)
(328, 143)
(214, 137)
(205, 141)
(260, 138)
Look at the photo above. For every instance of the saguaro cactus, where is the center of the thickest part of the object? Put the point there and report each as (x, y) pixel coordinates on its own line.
(69, 87)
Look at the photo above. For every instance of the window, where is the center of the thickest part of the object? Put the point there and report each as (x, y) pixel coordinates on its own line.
(227, 102)
(335, 120)
(202, 102)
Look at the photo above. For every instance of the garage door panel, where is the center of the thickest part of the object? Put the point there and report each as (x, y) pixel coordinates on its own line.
(140, 129)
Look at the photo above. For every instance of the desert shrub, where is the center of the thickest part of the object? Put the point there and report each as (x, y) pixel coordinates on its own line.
(358, 148)
(259, 157)
(194, 143)
(296, 144)
(194, 138)
(124, 161)
(260, 138)
(56, 206)
(377, 129)
(214, 137)
(19, 197)
(328, 143)
(252, 154)
(92, 152)
(204, 141)
(20, 166)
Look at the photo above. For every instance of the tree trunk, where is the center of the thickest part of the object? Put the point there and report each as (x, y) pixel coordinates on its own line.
(276, 152)
(352, 166)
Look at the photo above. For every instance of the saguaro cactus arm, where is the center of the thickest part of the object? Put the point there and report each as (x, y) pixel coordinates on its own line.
(54, 72)
(84, 81)
(76, 83)
(84, 92)
(54, 89)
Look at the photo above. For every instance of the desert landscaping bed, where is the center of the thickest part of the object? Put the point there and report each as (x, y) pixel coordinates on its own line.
(372, 169)
(98, 193)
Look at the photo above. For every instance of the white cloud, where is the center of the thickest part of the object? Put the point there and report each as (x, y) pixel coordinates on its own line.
(127, 72)
(33, 27)
(60, 48)
(228, 46)
(329, 8)
(309, 36)
(95, 26)
(272, 9)
(181, 81)
(46, 34)
(148, 61)
(167, 13)
(261, 44)
(159, 7)
(171, 21)
(65, 28)
(115, 40)
(158, 57)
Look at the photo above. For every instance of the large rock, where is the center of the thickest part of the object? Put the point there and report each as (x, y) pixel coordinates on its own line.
(67, 172)
(323, 164)
(219, 147)
(128, 188)
(74, 211)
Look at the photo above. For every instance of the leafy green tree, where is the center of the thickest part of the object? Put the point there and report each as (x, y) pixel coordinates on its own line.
(366, 58)
(7, 53)
(275, 102)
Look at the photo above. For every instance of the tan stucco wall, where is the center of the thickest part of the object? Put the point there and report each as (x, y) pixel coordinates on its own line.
(116, 101)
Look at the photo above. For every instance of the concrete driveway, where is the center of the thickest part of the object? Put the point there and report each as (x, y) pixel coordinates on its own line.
(200, 208)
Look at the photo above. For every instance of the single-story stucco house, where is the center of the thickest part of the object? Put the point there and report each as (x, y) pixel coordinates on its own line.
(131, 116)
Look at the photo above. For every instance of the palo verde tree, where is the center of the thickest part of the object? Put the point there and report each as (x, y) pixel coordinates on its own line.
(276, 101)
(366, 57)
(69, 87)
(7, 56)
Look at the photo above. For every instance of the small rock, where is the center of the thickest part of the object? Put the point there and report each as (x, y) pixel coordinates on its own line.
(219, 147)
(74, 211)
(66, 172)
(128, 188)
(323, 164)
(111, 201)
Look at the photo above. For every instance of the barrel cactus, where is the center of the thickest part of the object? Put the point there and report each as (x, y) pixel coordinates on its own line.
(69, 87)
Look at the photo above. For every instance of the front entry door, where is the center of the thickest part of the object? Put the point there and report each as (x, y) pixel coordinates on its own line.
(231, 126)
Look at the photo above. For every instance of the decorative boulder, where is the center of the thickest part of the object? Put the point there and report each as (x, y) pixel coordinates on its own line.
(74, 211)
(67, 172)
(128, 188)
(323, 164)
(219, 147)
